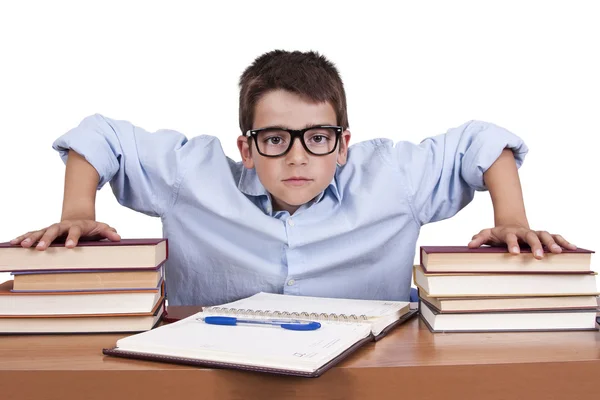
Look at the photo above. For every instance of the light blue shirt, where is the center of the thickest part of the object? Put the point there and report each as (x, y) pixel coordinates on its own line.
(357, 239)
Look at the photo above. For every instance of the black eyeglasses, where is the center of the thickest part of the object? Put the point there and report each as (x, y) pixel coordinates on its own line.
(276, 142)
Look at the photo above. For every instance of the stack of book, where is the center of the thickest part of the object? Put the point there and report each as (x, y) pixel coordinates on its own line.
(98, 286)
(488, 289)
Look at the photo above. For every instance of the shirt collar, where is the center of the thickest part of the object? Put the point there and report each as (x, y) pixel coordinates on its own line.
(250, 184)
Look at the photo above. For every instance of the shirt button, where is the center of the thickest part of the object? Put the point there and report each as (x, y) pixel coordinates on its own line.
(290, 222)
(291, 282)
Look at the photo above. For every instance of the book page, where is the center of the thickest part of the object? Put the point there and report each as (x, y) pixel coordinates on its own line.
(267, 346)
(278, 302)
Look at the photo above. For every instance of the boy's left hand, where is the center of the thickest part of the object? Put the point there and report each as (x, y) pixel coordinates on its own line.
(512, 235)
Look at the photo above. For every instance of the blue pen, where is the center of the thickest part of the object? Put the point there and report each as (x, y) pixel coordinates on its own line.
(293, 325)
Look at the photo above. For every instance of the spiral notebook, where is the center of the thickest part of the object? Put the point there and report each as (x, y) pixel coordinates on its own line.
(346, 325)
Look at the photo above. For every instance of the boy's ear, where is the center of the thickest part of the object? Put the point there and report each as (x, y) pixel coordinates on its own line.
(245, 151)
(344, 143)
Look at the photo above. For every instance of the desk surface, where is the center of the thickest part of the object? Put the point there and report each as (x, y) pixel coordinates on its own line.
(410, 361)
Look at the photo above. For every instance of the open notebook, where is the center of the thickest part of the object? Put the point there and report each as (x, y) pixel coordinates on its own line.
(345, 326)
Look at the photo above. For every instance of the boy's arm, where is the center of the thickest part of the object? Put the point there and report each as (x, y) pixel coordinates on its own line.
(142, 167)
(502, 181)
(143, 170)
(79, 210)
(442, 173)
(81, 181)
(510, 220)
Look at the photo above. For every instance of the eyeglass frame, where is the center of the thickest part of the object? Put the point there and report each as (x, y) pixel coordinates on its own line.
(295, 133)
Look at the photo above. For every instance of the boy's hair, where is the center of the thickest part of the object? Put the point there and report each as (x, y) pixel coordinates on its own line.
(307, 74)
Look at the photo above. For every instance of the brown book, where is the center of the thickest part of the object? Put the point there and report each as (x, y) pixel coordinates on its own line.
(498, 259)
(92, 323)
(86, 280)
(504, 285)
(103, 254)
(81, 302)
(489, 304)
(517, 321)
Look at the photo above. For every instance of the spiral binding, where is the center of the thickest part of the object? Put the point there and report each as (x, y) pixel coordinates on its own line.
(285, 314)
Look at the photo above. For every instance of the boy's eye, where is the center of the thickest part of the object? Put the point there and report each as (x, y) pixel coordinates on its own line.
(273, 137)
(274, 140)
(320, 136)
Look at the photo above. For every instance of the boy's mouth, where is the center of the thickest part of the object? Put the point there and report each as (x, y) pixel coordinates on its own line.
(297, 181)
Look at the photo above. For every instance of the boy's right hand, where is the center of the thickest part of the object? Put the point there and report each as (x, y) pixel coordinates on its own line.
(72, 229)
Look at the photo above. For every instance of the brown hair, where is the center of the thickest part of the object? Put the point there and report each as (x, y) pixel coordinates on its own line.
(308, 74)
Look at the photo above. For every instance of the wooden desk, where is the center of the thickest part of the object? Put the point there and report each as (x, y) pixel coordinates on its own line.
(409, 363)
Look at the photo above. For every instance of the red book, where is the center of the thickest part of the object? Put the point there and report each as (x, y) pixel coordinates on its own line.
(126, 254)
(456, 259)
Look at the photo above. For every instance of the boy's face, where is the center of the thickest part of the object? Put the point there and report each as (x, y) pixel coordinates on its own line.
(297, 177)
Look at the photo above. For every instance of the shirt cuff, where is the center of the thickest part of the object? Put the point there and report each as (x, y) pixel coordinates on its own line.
(485, 150)
(93, 147)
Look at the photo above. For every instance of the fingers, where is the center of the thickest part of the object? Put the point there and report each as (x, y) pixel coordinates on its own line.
(512, 235)
(101, 230)
(73, 229)
(19, 239)
(564, 243)
(512, 242)
(90, 230)
(51, 233)
(111, 234)
(532, 239)
(73, 236)
(480, 238)
(549, 242)
(32, 238)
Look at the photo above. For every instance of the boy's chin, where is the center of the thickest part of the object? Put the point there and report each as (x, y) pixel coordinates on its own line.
(298, 199)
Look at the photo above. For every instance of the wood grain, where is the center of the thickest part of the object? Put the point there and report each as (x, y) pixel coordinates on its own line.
(410, 361)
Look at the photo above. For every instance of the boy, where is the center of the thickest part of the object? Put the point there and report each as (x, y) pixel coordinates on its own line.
(302, 213)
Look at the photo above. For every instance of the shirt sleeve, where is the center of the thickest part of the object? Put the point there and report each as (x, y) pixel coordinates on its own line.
(443, 172)
(143, 168)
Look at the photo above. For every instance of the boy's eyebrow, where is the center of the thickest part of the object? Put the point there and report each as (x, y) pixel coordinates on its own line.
(305, 126)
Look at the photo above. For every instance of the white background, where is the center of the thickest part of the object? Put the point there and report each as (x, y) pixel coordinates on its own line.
(411, 70)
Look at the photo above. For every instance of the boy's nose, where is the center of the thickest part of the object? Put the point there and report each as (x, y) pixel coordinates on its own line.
(297, 154)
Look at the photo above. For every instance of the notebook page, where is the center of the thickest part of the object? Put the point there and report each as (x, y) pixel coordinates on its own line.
(278, 302)
(250, 345)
